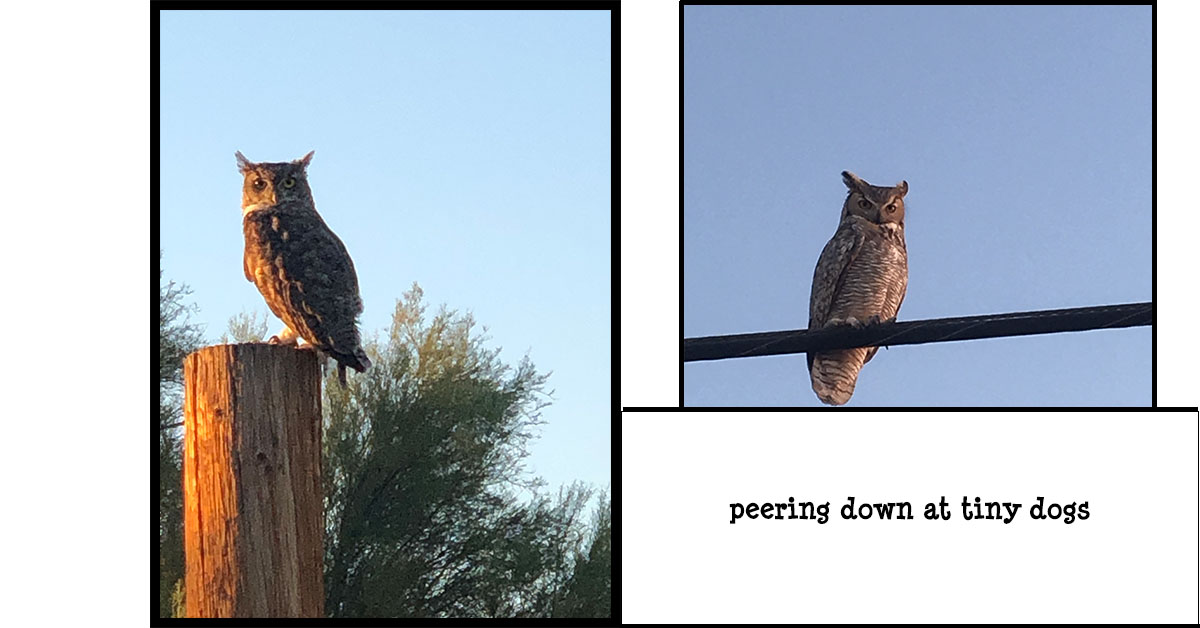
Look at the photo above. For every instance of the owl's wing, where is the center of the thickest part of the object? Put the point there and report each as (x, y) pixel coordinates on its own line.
(830, 274)
(900, 300)
(897, 288)
(324, 286)
(837, 256)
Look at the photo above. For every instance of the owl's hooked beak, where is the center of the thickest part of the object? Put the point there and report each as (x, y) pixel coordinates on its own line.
(254, 207)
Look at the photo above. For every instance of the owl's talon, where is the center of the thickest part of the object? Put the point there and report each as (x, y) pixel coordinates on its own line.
(281, 339)
(287, 336)
(859, 324)
(856, 323)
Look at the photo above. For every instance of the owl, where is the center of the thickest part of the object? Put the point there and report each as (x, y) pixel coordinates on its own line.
(860, 279)
(298, 264)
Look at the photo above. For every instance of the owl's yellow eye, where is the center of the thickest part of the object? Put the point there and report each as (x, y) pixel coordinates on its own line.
(289, 182)
(863, 203)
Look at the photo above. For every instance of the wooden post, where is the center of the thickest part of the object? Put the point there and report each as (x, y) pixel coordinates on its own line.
(252, 482)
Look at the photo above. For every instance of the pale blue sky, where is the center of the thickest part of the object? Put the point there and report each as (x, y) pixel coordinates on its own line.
(466, 151)
(1025, 136)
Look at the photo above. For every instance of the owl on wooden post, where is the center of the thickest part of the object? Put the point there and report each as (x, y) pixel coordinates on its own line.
(298, 264)
(860, 279)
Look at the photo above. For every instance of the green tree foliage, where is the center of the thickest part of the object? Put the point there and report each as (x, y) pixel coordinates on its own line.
(588, 593)
(177, 337)
(423, 479)
(246, 327)
(429, 511)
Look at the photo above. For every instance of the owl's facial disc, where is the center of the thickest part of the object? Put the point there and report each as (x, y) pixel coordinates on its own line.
(258, 192)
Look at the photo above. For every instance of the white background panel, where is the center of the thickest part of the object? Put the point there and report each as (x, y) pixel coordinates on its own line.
(1133, 560)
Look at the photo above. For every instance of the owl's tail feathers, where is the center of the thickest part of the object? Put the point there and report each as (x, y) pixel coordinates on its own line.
(357, 361)
(834, 375)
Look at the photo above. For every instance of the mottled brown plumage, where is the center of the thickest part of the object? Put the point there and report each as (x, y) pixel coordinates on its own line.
(298, 264)
(860, 279)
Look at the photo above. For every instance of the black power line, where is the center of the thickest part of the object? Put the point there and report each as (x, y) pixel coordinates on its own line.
(918, 332)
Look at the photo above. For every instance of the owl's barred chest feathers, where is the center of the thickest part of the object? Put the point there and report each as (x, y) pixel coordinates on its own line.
(879, 265)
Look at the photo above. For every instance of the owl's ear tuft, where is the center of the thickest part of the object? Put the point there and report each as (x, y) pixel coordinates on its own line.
(303, 161)
(903, 187)
(243, 163)
(852, 181)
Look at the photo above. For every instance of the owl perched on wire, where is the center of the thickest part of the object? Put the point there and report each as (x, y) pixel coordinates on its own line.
(860, 279)
(298, 264)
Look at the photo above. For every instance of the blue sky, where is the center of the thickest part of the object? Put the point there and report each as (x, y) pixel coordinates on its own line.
(1025, 136)
(466, 151)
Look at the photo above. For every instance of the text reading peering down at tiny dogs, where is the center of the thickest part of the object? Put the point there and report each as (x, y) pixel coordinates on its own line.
(970, 509)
